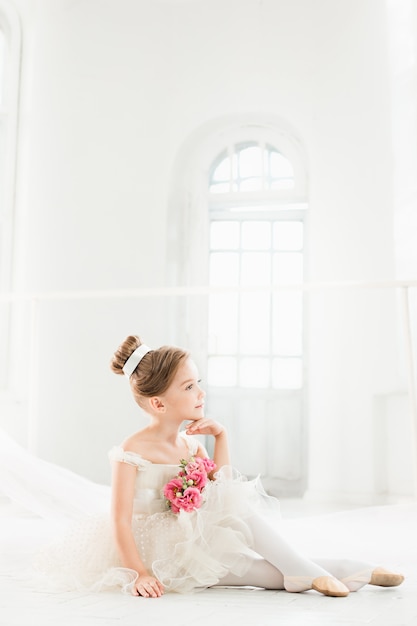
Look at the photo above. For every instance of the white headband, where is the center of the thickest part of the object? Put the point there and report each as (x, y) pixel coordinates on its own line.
(134, 359)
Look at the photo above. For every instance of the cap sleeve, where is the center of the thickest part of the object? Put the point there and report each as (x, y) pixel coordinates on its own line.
(131, 458)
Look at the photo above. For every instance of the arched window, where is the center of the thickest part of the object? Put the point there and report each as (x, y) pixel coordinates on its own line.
(251, 167)
(255, 335)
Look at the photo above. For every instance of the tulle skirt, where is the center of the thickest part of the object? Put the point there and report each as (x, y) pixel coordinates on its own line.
(185, 551)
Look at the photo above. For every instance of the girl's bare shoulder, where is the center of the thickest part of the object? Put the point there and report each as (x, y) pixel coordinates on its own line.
(136, 442)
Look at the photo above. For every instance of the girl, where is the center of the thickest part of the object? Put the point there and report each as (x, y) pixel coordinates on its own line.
(228, 540)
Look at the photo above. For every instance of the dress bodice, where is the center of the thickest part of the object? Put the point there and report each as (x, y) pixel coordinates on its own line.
(150, 478)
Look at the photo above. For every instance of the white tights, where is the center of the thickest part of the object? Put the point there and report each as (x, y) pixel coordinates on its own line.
(283, 567)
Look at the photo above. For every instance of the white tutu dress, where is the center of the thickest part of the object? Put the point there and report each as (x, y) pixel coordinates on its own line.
(185, 550)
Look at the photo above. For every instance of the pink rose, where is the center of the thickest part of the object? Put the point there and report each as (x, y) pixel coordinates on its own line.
(200, 464)
(193, 466)
(190, 500)
(199, 479)
(208, 464)
(172, 488)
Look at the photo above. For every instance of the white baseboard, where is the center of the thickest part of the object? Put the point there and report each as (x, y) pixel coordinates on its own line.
(357, 499)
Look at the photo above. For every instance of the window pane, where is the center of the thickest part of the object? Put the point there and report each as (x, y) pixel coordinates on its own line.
(255, 311)
(250, 162)
(254, 373)
(256, 235)
(288, 267)
(222, 371)
(283, 183)
(223, 323)
(288, 235)
(250, 184)
(224, 235)
(287, 324)
(280, 166)
(287, 373)
(222, 171)
(224, 268)
(256, 269)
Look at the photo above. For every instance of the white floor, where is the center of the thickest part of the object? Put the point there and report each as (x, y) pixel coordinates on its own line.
(384, 535)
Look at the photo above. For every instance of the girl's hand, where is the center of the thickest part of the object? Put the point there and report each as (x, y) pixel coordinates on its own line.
(205, 426)
(148, 587)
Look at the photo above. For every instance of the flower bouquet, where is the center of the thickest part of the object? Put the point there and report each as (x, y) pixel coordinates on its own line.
(184, 492)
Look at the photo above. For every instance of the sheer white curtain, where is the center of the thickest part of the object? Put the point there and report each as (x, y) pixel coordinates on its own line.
(46, 489)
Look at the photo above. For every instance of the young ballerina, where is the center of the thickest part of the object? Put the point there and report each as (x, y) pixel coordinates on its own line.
(231, 539)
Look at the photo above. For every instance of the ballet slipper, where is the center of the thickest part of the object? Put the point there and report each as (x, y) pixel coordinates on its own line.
(330, 586)
(383, 578)
(326, 585)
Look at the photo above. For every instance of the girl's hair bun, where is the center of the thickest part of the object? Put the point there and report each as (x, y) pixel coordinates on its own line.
(123, 352)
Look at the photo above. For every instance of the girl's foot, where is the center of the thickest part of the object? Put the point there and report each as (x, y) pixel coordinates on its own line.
(327, 585)
(330, 586)
(384, 578)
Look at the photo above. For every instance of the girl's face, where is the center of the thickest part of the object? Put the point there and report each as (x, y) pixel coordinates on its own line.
(184, 398)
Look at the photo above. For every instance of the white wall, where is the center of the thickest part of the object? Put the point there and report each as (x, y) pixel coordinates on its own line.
(111, 92)
(402, 45)
(352, 334)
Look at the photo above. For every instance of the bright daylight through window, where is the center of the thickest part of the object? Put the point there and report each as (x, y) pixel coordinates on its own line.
(256, 240)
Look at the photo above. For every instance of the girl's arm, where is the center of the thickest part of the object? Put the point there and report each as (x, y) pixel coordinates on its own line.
(205, 426)
(221, 454)
(123, 485)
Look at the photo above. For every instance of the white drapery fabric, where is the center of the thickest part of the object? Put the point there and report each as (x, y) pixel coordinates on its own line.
(46, 489)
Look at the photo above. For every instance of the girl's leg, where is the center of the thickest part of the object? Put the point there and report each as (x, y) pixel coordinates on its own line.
(354, 574)
(260, 574)
(299, 572)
